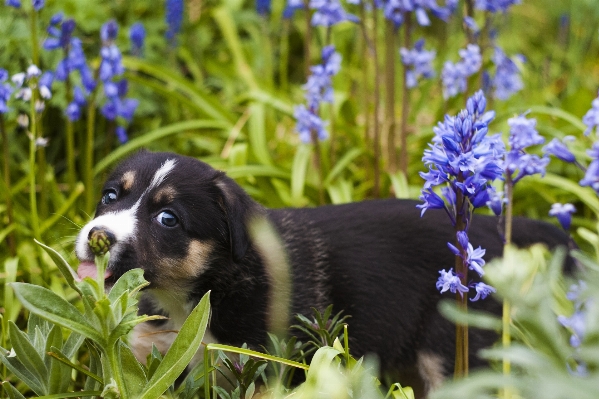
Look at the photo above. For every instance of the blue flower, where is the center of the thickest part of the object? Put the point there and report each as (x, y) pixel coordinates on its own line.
(174, 19)
(263, 7)
(591, 177)
(13, 3)
(523, 133)
(109, 31)
(482, 291)
(563, 212)
(495, 202)
(395, 10)
(454, 76)
(38, 4)
(559, 150)
(420, 62)
(576, 324)
(137, 35)
(121, 134)
(471, 25)
(507, 80)
(5, 91)
(431, 201)
(329, 12)
(591, 118)
(308, 122)
(495, 5)
(450, 282)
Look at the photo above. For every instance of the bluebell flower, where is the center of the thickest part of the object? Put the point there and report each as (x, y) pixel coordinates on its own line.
(109, 31)
(263, 7)
(482, 291)
(395, 10)
(591, 118)
(5, 91)
(559, 150)
(420, 62)
(431, 201)
(137, 35)
(471, 25)
(56, 18)
(518, 163)
(507, 80)
(174, 19)
(454, 76)
(45, 85)
(563, 213)
(121, 134)
(577, 326)
(591, 177)
(308, 122)
(59, 38)
(473, 258)
(449, 281)
(523, 133)
(38, 4)
(73, 111)
(13, 3)
(495, 5)
(496, 201)
(329, 12)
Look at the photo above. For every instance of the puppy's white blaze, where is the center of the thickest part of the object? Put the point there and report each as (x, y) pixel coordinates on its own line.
(161, 173)
(122, 224)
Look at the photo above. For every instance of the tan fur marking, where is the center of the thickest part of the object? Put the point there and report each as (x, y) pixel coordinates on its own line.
(165, 194)
(127, 180)
(187, 269)
(430, 368)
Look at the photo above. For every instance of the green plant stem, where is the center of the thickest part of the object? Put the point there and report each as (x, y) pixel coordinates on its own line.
(42, 167)
(284, 56)
(377, 89)
(32, 147)
(506, 316)
(468, 4)
(12, 248)
(390, 50)
(461, 354)
(70, 135)
(307, 39)
(89, 155)
(35, 52)
(318, 165)
(405, 105)
(115, 369)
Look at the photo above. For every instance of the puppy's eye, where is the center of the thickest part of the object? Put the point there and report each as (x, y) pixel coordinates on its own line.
(167, 219)
(109, 197)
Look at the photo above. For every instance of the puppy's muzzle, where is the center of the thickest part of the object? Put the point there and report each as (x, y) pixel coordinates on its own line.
(100, 240)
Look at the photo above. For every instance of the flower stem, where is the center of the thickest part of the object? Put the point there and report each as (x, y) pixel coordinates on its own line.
(390, 51)
(35, 226)
(405, 106)
(377, 88)
(461, 343)
(12, 249)
(307, 39)
(506, 316)
(70, 133)
(89, 155)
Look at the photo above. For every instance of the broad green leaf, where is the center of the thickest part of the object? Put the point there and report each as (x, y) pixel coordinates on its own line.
(11, 309)
(257, 170)
(471, 318)
(78, 394)
(559, 113)
(181, 351)
(257, 134)
(28, 355)
(585, 194)
(64, 267)
(298, 173)
(59, 374)
(131, 281)
(50, 306)
(21, 372)
(147, 138)
(12, 392)
(133, 372)
(249, 352)
(72, 345)
(322, 358)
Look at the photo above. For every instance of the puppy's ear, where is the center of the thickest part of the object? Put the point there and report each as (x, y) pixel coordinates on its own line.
(239, 209)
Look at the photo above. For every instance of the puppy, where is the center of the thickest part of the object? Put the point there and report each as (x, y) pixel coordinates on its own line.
(187, 226)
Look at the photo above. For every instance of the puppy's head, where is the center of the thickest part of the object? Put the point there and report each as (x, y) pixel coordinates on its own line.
(169, 215)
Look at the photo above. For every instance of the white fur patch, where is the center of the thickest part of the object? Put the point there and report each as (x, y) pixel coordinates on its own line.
(431, 370)
(161, 173)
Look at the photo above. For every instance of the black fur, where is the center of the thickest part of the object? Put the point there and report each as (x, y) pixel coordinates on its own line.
(378, 261)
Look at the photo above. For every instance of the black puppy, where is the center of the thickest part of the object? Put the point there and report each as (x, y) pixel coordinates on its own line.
(186, 225)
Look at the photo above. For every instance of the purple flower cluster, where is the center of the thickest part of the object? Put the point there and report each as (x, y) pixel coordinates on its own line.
(420, 62)
(454, 76)
(395, 10)
(174, 19)
(560, 150)
(507, 79)
(495, 5)
(563, 212)
(591, 118)
(518, 163)
(61, 37)
(466, 160)
(5, 91)
(328, 13)
(318, 89)
(591, 176)
(111, 67)
(137, 36)
(37, 4)
(577, 323)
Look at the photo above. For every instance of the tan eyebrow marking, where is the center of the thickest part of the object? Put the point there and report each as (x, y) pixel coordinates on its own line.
(165, 194)
(127, 180)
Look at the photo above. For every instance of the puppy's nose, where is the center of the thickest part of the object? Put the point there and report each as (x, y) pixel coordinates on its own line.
(100, 240)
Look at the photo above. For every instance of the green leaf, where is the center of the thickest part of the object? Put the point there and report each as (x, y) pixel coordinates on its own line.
(257, 134)
(298, 173)
(21, 372)
(11, 309)
(147, 138)
(78, 394)
(471, 318)
(559, 113)
(585, 194)
(259, 355)
(12, 392)
(64, 267)
(133, 372)
(181, 351)
(61, 357)
(322, 358)
(60, 375)
(27, 355)
(50, 306)
(132, 281)
(347, 158)
(256, 170)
